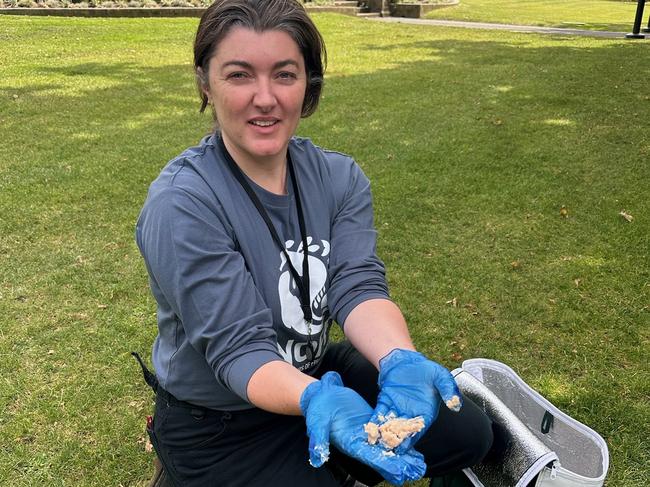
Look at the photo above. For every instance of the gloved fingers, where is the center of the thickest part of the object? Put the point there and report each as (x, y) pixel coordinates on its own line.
(430, 413)
(395, 468)
(318, 430)
(319, 420)
(319, 452)
(446, 385)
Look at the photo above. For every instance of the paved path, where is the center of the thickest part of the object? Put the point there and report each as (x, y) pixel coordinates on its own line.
(510, 27)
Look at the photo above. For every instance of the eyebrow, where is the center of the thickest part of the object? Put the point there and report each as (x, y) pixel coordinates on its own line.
(247, 65)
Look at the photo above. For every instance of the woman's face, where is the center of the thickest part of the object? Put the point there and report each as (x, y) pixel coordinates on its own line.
(257, 83)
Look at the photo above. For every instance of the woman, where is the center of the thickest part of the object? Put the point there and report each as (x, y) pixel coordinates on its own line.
(255, 242)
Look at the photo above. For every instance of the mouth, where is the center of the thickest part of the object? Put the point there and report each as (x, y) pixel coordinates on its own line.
(264, 123)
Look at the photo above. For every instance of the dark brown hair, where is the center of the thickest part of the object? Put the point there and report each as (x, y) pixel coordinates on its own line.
(262, 15)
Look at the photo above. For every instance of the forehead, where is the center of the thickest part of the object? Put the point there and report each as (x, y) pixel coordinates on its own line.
(266, 47)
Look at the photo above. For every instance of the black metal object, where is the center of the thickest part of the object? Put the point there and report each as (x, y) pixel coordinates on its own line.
(637, 22)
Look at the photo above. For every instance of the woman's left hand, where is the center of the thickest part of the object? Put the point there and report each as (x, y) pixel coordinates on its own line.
(411, 385)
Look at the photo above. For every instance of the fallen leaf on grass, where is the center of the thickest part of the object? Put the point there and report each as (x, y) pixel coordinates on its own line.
(516, 265)
(626, 216)
(148, 447)
(453, 302)
(564, 212)
(471, 308)
(456, 356)
(454, 344)
(577, 282)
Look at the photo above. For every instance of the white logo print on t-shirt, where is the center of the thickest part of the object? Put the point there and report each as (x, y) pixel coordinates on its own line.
(292, 315)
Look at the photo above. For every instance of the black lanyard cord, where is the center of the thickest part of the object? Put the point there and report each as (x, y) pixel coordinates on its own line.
(301, 282)
(305, 301)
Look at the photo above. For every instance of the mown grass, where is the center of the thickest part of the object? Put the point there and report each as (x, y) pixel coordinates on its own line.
(611, 15)
(473, 142)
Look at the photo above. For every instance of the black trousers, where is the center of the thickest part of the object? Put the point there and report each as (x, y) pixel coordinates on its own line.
(204, 447)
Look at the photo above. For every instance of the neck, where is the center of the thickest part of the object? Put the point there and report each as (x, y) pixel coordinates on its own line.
(268, 172)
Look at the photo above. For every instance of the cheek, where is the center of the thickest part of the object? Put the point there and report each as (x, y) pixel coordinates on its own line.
(229, 102)
(297, 96)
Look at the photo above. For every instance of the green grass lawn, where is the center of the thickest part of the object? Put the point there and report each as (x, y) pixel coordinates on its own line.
(473, 142)
(580, 14)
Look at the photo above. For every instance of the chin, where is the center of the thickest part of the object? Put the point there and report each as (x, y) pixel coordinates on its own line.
(268, 149)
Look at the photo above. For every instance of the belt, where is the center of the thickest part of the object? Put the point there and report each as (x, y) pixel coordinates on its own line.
(152, 381)
(171, 400)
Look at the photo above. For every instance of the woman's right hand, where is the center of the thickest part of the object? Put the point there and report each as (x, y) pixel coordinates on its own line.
(337, 413)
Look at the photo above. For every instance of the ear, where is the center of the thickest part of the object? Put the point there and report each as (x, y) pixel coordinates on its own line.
(202, 79)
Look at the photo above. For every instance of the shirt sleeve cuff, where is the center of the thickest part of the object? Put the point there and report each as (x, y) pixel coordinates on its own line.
(242, 369)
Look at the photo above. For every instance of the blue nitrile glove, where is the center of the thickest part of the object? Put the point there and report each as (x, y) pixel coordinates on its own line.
(337, 413)
(411, 385)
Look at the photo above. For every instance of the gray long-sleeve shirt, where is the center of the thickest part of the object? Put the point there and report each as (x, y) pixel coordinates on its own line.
(227, 303)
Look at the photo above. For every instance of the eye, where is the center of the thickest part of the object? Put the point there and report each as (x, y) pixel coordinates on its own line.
(286, 76)
(237, 75)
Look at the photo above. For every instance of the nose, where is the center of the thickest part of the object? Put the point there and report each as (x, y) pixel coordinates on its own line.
(264, 98)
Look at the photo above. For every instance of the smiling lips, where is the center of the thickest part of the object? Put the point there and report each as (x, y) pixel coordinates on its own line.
(263, 123)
